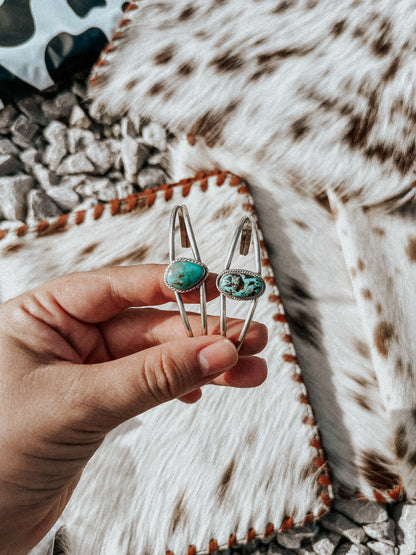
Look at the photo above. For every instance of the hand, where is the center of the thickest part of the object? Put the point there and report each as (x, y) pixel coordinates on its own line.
(76, 361)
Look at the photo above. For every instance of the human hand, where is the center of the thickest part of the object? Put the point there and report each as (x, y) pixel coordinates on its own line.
(77, 361)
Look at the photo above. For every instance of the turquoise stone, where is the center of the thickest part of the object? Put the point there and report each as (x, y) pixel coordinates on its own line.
(183, 275)
(240, 285)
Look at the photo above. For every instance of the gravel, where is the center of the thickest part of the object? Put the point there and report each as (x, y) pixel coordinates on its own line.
(55, 157)
(51, 144)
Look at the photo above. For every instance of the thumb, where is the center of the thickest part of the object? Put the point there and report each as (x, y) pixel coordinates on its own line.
(128, 386)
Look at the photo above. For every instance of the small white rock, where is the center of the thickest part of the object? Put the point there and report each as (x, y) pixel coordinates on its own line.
(381, 531)
(23, 131)
(101, 156)
(136, 122)
(124, 189)
(13, 192)
(64, 197)
(9, 164)
(56, 133)
(290, 541)
(127, 128)
(155, 135)
(40, 206)
(151, 177)
(133, 155)
(46, 178)
(79, 139)
(108, 193)
(340, 524)
(7, 147)
(53, 155)
(79, 118)
(75, 163)
(362, 512)
(8, 115)
(116, 131)
(30, 157)
(325, 544)
(91, 186)
(405, 515)
(379, 548)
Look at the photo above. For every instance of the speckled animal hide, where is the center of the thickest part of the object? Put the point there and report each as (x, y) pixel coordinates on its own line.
(313, 102)
(180, 475)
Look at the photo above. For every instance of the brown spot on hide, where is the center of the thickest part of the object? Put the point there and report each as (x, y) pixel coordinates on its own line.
(308, 471)
(187, 13)
(156, 89)
(383, 335)
(283, 6)
(411, 249)
(131, 84)
(323, 201)
(400, 443)
(362, 401)
(399, 368)
(367, 295)
(300, 128)
(379, 308)
(281, 54)
(178, 514)
(225, 481)
(300, 224)
(361, 125)
(379, 231)
(88, 250)
(209, 126)
(228, 62)
(375, 469)
(132, 258)
(383, 44)
(353, 272)
(362, 348)
(12, 249)
(338, 28)
(360, 264)
(164, 56)
(392, 70)
(185, 69)
(412, 459)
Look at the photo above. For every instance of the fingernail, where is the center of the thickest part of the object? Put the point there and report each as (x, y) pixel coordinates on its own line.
(217, 357)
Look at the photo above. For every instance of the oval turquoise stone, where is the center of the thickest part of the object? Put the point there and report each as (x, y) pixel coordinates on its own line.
(240, 285)
(183, 275)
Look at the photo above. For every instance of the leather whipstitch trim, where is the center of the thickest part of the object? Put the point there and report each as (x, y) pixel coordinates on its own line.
(289, 357)
(112, 45)
(147, 198)
(120, 206)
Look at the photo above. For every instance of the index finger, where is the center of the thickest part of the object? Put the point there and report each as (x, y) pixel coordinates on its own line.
(98, 295)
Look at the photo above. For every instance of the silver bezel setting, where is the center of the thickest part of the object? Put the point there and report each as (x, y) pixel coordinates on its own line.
(247, 273)
(196, 285)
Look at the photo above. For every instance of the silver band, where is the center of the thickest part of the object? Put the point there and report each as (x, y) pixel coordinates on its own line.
(245, 231)
(187, 241)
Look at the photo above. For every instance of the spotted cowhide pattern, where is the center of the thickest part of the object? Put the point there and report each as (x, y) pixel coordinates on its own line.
(313, 102)
(237, 463)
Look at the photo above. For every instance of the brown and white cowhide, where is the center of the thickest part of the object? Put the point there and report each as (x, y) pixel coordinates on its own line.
(237, 464)
(313, 102)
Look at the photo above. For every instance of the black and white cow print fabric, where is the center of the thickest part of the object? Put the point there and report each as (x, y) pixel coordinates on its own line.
(38, 37)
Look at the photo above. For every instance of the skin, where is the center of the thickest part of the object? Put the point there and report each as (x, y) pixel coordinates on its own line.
(77, 361)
